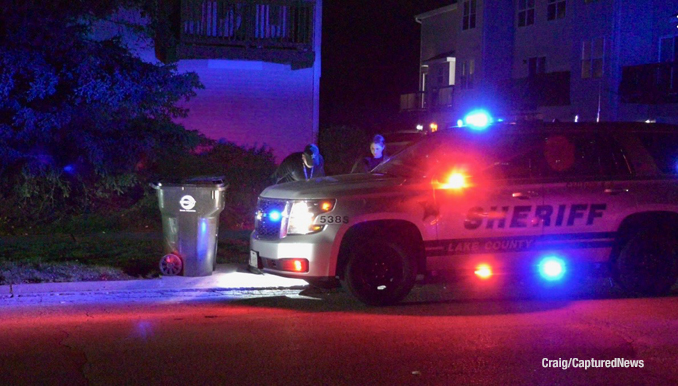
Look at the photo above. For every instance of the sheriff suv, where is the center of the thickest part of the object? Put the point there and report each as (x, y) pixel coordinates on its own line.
(527, 198)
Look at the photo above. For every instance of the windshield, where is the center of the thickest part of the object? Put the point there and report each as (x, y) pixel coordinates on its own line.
(488, 152)
(409, 161)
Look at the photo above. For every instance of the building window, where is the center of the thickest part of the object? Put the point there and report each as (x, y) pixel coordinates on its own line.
(525, 13)
(469, 15)
(668, 49)
(555, 9)
(536, 66)
(466, 73)
(592, 58)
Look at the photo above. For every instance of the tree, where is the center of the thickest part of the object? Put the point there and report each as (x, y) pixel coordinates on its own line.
(78, 116)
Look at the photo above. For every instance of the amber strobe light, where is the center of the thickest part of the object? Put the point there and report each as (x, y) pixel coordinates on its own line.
(326, 206)
(483, 271)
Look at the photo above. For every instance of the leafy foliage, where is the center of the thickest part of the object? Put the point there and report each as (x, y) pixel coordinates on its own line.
(246, 170)
(81, 120)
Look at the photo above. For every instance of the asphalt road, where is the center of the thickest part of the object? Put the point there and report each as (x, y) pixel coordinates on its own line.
(437, 336)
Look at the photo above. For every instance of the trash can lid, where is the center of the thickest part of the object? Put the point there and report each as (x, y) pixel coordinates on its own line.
(204, 181)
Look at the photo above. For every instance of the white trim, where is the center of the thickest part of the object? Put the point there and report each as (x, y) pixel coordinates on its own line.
(435, 12)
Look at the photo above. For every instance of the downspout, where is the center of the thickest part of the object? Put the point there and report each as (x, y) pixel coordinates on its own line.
(614, 65)
(317, 70)
(420, 89)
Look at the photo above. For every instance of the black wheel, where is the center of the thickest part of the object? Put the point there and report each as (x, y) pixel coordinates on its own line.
(171, 265)
(379, 273)
(648, 263)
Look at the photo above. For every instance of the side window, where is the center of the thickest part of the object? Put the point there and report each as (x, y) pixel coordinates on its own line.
(520, 162)
(587, 156)
(503, 158)
(614, 159)
(663, 147)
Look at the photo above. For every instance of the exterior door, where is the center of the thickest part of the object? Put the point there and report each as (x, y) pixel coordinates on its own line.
(493, 217)
(588, 192)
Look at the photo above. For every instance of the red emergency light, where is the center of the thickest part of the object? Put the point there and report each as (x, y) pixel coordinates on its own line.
(293, 265)
(483, 271)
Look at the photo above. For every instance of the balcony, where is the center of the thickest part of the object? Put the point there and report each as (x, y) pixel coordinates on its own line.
(655, 83)
(279, 31)
(434, 100)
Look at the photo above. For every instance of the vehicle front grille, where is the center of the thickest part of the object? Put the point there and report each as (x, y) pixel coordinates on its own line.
(266, 225)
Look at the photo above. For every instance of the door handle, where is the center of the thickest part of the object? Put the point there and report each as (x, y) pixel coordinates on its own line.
(524, 195)
(614, 191)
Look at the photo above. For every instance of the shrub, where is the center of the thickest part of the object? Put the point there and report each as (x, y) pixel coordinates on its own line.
(247, 171)
(58, 202)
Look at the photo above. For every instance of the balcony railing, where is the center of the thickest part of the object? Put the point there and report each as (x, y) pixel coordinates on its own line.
(434, 100)
(280, 24)
(654, 83)
(276, 30)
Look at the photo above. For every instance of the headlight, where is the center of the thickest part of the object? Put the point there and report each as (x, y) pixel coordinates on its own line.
(300, 215)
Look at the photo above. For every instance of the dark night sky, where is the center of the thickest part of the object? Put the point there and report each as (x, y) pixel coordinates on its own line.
(370, 55)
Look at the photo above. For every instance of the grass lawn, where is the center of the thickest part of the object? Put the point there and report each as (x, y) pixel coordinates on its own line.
(100, 256)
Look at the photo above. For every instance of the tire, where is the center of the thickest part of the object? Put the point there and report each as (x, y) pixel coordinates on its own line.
(648, 263)
(379, 273)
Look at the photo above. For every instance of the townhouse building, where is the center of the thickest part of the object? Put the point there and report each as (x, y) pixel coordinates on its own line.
(259, 62)
(567, 60)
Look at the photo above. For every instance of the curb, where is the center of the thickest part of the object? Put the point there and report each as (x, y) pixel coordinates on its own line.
(226, 279)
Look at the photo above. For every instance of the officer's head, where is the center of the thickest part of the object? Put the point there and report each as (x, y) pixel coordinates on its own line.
(311, 155)
(377, 146)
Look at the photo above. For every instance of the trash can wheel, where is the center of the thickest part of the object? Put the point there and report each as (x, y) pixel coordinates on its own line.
(171, 265)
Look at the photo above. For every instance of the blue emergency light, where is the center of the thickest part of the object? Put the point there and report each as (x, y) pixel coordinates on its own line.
(274, 215)
(552, 268)
(478, 119)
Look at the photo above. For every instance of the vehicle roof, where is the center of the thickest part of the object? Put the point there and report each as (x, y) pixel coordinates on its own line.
(536, 126)
(398, 140)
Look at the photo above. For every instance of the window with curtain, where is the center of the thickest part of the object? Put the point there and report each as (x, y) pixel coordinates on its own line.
(592, 53)
(525, 13)
(556, 9)
(469, 15)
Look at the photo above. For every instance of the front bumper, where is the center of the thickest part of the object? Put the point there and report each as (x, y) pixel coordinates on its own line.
(316, 248)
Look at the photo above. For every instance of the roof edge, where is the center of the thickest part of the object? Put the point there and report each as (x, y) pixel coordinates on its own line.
(435, 12)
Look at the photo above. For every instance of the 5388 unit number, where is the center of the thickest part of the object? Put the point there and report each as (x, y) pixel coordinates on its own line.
(333, 219)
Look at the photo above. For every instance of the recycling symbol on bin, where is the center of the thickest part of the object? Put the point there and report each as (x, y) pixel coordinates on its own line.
(187, 202)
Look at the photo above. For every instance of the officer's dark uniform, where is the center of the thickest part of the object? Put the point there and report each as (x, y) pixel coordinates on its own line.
(292, 168)
(366, 164)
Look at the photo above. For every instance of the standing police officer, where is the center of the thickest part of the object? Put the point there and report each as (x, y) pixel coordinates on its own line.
(366, 164)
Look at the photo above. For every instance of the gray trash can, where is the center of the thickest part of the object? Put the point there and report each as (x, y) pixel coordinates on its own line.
(190, 222)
